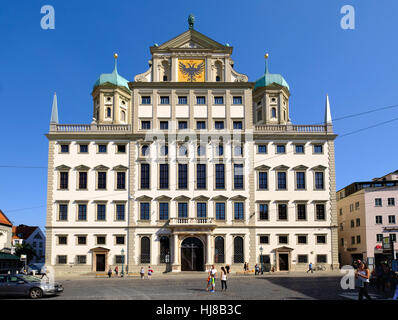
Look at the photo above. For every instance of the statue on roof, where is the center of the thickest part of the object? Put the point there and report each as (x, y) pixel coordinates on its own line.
(191, 21)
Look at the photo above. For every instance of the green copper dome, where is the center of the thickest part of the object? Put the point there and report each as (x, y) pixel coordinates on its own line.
(113, 78)
(270, 78)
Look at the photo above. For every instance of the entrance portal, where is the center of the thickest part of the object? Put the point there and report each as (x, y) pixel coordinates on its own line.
(100, 266)
(283, 262)
(192, 255)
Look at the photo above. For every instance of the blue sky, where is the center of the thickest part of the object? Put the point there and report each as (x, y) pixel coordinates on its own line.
(357, 68)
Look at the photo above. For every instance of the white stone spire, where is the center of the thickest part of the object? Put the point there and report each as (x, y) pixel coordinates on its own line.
(54, 111)
(328, 116)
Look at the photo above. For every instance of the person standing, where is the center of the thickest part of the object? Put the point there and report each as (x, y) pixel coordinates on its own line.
(208, 281)
(310, 268)
(110, 272)
(363, 275)
(223, 279)
(227, 268)
(213, 273)
(116, 270)
(142, 272)
(256, 269)
(150, 271)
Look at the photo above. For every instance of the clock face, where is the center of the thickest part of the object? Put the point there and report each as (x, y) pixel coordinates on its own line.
(191, 70)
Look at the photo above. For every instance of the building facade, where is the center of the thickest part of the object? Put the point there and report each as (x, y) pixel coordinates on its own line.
(190, 165)
(33, 236)
(5, 233)
(366, 214)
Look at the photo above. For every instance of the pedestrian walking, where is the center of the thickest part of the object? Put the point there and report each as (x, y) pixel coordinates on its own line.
(116, 270)
(110, 272)
(150, 271)
(363, 275)
(223, 279)
(213, 273)
(310, 268)
(227, 268)
(142, 272)
(245, 266)
(208, 280)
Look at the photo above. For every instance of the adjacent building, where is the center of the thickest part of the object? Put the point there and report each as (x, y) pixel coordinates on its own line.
(190, 165)
(5, 233)
(367, 212)
(33, 236)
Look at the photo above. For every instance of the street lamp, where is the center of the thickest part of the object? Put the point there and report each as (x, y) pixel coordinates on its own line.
(261, 259)
(122, 273)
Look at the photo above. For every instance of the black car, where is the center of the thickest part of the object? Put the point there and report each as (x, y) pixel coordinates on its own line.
(28, 286)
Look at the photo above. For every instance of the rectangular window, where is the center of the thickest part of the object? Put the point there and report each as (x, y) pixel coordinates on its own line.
(82, 212)
(145, 125)
(82, 180)
(144, 210)
(320, 212)
(201, 210)
(164, 150)
(302, 239)
(63, 212)
(81, 259)
(238, 176)
(182, 125)
(379, 220)
(358, 222)
(237, 125)
(182, 176)
(121, 180)
(201, 150)
(263, 180)
(391, 219)
(64, 148)
(101, 240)
(321, 258)
(182, 100)
(101, 212)
(121, 148)
(282, 211)
(119, 259)
(237, 100)
(102, 148)
(280, 148)
(61, 259)
(301, 211)
(283, 239)
(201, 100)
(164, 125)
(264, 239)
(262, 148)
(220, 150)
(83, 148)
(281, 180)
(82, 240)
(352, 240)
(358, 239)
(218, 100)
(391, 201)
(319, 185)
(379, 237)
(120, 212)
(263, 208)
(302, 258)
(220, 176)
(164, 176)
(238, 211)
(120, 240)
(101, 180)
(200, 125)
(219, 125)
(145, 176)
(299, 148)
(300, 180)
(146, 100)
(63, 180)
(318, 148)
(356, 205)
(220, 211)
(200, 176)
(378, 202)
(183, 210)
(164, 100)
(62, 240)
(163, 211)
(320, 239)
(351, 207)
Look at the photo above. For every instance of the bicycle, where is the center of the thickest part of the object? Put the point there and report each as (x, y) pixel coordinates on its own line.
(320, 267)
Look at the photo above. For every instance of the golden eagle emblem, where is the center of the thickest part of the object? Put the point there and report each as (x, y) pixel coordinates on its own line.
(191, 71)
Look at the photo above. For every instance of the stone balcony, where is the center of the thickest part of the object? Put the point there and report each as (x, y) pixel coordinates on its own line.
(90, 128)
(192, 222)
(292, 128)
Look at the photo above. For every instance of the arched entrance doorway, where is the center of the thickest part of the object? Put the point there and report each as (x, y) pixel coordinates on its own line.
(192, 255)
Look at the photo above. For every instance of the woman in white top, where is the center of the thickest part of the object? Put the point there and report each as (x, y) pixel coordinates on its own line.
(363, 275)
(223, 279)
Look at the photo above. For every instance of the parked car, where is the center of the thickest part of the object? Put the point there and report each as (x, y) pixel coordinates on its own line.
(35, 268)
(28, 286)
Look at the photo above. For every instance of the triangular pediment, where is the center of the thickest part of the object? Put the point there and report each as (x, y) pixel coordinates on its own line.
(262, 167)
(143, 198)
(191, 39)
(163, 198)
(182, 198)
(219, 198)
(82, 168)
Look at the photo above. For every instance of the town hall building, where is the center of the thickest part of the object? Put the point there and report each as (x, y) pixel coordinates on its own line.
(187, 165)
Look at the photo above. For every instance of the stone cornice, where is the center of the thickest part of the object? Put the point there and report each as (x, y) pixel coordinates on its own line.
(191, 85)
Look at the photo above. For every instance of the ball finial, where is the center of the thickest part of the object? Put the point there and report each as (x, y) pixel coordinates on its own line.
(115, 55)
(266, 56)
